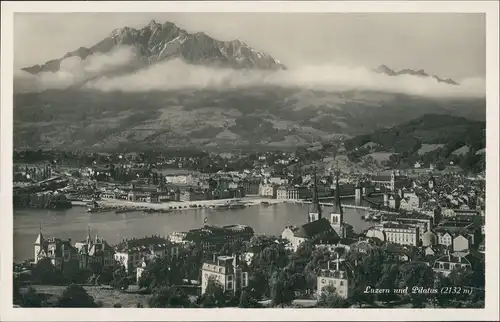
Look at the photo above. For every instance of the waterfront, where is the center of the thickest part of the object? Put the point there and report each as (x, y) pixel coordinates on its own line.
(73, 223)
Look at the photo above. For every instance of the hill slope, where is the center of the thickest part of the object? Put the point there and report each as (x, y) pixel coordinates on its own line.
(431, 138)
(254, 116)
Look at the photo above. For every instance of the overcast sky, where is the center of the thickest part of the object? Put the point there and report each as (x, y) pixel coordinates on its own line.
(450, 45)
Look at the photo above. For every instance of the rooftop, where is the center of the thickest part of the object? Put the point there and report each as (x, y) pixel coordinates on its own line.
(391, 225)
(452, 259)
(143, 243)
(314, 228)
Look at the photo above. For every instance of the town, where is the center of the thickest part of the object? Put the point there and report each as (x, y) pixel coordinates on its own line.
(425, 229)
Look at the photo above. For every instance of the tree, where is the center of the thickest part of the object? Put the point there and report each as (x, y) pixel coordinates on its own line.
(160, 298)
(225, 249)
(44, 272)
(317, 259)
(16, 292)
(418, 275)
(282, 292)
(258, 285)
(330, 299)
(388, 280)
(368, 273)
(166, 297)
(214, 295)
(161, 272)
(74, 274)
(31, 298)
(247, 301)
(442, 299)
(75, 296)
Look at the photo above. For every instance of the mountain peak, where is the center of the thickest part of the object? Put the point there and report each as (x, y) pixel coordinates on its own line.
(383, 69)
(159, 42)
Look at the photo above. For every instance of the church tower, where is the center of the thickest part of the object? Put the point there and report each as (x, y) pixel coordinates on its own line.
(393, 180)
(431, 182)
(39, 242)
(315, 210)
(89, 238)
(337, 217)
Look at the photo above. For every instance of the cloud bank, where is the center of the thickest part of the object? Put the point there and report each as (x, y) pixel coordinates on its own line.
(176, 75)
(74, 71)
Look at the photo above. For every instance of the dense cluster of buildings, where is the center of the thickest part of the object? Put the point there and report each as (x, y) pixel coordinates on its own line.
(416, 232)
(440, 218)
(136, 253)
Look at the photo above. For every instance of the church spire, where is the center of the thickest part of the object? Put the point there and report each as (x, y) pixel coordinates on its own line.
(315, 211)
(338, 206)
(89, 238)
(39, 238)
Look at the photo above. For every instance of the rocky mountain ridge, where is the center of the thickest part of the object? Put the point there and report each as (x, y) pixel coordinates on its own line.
(160, 42)
(383, 69)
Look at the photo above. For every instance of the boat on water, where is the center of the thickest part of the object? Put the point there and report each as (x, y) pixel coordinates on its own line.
(98, 209)
(232, 204)
(237, 205)
(265, 203)
(222, 206)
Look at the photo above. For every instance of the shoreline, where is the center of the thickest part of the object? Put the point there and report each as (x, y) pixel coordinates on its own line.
(125, 205)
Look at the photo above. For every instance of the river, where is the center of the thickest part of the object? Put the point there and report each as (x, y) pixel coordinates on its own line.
(73, 223)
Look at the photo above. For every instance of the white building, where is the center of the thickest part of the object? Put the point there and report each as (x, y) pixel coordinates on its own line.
(225, 270)
(267, 190)
(130, 253)
(400, 234)
(446, 264)
(185, 179)
(278, 181)
(338, 274)
(445, 238)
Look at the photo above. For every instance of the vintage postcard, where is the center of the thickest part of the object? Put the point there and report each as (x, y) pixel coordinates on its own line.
(249, 160)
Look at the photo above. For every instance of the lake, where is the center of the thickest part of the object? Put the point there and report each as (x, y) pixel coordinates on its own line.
(73, 223)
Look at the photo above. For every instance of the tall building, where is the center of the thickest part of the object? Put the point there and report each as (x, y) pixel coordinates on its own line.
(225, 270)
(317, 230)
(315, 210)
(337, 217)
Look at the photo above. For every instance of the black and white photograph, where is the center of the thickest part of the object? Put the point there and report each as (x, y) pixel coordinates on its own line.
(275, 160)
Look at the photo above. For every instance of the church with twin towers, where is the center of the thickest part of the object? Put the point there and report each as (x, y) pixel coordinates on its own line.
(319, 229)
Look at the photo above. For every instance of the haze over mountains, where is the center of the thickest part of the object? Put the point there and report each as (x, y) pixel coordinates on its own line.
(162, 85)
